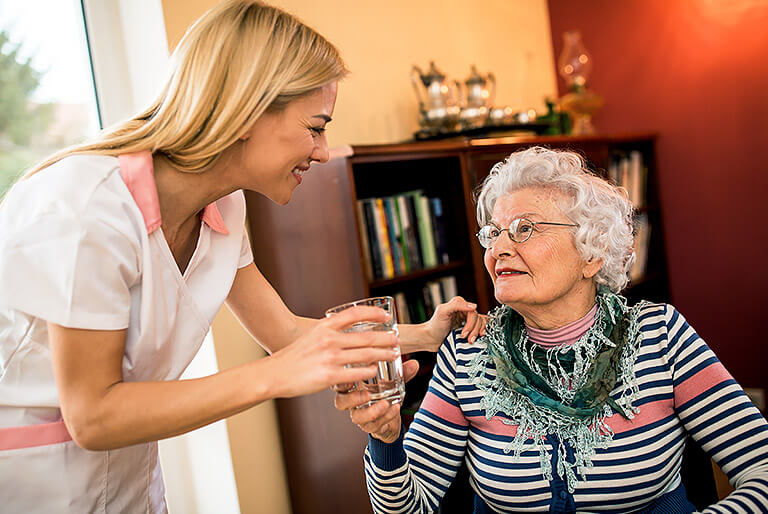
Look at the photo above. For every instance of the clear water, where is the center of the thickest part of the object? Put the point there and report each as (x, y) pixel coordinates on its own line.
(388, 384)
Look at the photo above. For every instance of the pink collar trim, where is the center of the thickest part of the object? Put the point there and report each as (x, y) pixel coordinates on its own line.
(565, 335)
(139, 176)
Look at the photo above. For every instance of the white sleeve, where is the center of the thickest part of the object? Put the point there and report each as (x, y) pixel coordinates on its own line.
(73, 271)
(246, 255)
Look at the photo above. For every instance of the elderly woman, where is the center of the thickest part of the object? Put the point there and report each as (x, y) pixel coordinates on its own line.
(573, 400)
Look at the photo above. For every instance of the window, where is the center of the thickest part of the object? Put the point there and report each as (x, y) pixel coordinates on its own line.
(47, 97)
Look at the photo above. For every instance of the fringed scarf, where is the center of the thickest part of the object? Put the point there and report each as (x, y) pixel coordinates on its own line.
(562, 391)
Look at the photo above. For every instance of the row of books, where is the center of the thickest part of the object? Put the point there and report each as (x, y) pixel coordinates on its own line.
(642, 234)
(418, 306)
(401, 234)
(628, 171)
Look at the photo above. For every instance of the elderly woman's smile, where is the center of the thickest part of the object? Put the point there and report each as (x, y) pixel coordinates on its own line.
(544, 275)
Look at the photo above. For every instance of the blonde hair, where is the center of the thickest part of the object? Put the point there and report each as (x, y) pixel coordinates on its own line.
(239, 59)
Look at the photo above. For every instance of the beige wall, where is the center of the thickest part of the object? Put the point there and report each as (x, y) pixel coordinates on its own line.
(380, 41)
(254, 437)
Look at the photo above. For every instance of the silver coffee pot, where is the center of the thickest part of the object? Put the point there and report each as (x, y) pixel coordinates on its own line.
(477, 98)
(438, 98)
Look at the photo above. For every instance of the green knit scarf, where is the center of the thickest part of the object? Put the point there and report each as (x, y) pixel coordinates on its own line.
(563, 391)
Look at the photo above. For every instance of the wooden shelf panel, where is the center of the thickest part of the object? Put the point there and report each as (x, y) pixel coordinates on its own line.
(422, 273)
(465, 143)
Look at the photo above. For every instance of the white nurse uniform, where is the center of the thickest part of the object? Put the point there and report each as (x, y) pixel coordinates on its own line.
(81, 245)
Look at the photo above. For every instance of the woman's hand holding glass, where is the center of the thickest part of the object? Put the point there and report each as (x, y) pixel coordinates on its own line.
(321, 358)
(381, 420)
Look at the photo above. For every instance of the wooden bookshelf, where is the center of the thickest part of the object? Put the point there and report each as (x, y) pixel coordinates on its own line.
(311, 251)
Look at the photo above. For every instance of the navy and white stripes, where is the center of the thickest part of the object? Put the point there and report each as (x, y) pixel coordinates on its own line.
(684, 390)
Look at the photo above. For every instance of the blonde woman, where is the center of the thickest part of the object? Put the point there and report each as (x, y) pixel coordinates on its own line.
(116, 255)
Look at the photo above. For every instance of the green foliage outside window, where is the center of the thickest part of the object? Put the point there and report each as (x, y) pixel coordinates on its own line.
(22, 122)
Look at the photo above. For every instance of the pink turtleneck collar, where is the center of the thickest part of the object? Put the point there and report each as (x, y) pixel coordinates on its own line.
(565, 335)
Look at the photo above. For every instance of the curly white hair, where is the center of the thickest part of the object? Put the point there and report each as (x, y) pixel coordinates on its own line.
(602, 211)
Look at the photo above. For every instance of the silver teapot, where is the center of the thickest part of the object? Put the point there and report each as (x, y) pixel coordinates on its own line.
(438, 98)
(477, 98)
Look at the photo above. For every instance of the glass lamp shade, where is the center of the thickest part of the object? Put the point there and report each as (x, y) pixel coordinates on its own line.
(574, 64)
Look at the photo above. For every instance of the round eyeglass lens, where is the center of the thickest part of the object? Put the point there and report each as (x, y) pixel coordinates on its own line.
(521, 230)
(487, 235)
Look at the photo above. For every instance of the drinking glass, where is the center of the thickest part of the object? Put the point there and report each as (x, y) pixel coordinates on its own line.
(388, 384)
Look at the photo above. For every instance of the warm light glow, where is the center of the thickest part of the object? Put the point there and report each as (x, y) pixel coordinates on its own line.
(583, 58)
(485, 93)
(532, 114)
(507, 110)
(568, 69)
(443, 89)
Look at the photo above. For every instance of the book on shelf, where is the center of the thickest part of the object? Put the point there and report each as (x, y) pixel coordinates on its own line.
(417, 305)
(438, 227)
(382, 236)
(426, 235)
(401, 304)
(429, 304)
(402, 233)
(374, 252)
(410, 242)
(393, 230)
(401, 237)
(448, 287)
(364, 241)
(642, 234)
(410, 203)
(627, 170)
(638, 177)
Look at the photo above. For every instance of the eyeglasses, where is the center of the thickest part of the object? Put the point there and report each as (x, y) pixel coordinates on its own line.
(519, 231)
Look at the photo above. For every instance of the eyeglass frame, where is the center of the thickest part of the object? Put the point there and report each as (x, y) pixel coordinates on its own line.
(509, 232)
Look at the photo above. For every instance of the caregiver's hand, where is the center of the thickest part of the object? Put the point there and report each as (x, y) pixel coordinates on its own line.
(318, 359)
(451, 315)
(381, 419)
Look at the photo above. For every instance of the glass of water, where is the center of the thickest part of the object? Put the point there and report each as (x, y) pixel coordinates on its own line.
(388, 384)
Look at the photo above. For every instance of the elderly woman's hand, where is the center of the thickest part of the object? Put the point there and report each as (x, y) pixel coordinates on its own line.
(381, 419)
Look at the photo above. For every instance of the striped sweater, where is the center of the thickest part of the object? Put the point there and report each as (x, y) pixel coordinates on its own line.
(684, 390)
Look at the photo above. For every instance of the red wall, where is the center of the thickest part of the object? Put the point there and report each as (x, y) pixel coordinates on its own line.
(695, 72)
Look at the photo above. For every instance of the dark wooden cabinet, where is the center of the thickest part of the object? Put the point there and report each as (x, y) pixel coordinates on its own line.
(311, 253)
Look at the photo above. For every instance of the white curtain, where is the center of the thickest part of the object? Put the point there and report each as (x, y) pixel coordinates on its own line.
(198, 466)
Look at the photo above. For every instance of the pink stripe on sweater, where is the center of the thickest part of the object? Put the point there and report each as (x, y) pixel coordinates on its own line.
(14, 438)
(494, 426)
(702, 381)
(443, 409)
(649, 413)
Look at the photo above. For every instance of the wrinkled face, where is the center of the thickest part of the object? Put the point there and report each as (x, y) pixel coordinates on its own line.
(545, 269)
(279, 148)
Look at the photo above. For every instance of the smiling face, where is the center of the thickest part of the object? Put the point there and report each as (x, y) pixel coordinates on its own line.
(279, 148)
(544, 278)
